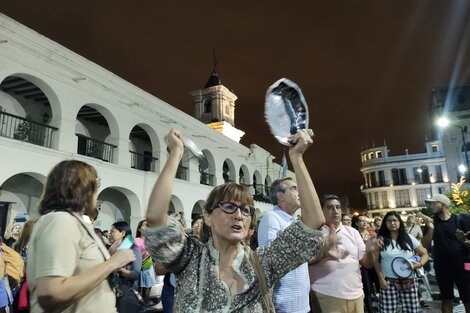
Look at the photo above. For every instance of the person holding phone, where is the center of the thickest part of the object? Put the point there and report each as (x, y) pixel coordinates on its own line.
(120, 237)
(68, 265)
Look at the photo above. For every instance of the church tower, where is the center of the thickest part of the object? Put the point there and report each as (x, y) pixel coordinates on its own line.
(215, 106)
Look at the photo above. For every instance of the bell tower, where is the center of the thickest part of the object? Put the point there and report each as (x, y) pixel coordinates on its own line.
(215, 106)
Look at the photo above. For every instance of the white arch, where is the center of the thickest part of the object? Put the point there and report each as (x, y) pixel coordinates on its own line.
(231, 175)
(117, 203)
(246, 175)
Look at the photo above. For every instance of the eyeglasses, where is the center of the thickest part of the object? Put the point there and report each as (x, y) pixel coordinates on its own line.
(230, 208)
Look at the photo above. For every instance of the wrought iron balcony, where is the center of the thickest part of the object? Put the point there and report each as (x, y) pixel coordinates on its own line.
(20, 128)
(142, 162)
(182, 172)
(95, 148)
(207, 179)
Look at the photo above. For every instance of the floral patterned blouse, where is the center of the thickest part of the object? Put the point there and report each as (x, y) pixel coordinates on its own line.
(196, 265)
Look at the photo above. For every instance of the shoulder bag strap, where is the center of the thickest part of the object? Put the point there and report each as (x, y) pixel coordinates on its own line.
(90, 234)
(268, 301)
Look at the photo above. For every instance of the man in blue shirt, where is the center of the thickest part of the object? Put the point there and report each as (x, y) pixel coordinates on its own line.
(291, 293)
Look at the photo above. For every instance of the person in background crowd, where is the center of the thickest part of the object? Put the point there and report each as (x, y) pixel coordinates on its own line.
(21, 299)
(368, 275)
(251, 232)
(147, 275)
(346, 220)
(106, 237)
(67, 264)
(413, 228)
(397, 243)
(219, 259)
(335, 278)
(4, 292)
(99, 233)
(450, 234)
(129, 274)
(377, 223)
(21, 246)
(197, 225)
(12, 234)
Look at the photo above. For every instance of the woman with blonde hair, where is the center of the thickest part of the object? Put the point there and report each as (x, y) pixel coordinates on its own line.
(67, 264)
(218, 273)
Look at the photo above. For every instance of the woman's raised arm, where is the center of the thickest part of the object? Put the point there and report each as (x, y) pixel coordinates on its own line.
(312, 214)
(161, 193)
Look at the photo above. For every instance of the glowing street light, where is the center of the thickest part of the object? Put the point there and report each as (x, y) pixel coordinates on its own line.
(462, 169)
(443, 122)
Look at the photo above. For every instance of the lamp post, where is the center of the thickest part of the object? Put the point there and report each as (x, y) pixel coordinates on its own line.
(443, 122)
(420, 171)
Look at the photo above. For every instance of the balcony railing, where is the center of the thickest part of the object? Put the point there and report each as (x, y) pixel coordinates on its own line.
(207, 179)
(182, 172)
(20, 128)
(142, 162)
(95, 148)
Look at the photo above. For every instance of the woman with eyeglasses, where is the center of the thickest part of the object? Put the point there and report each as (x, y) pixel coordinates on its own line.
(214, 274)
(396, 289)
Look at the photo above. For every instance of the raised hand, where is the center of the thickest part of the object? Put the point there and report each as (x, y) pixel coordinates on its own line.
(461, 235)
(174, 142)
(122, 257)
(300, 141)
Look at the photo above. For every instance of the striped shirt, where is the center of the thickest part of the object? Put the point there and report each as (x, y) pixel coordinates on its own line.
(291, 293)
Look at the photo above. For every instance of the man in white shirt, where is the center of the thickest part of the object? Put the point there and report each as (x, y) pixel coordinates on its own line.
(290, 293)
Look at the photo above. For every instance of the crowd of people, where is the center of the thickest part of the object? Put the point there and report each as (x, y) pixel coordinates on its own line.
(226, 260)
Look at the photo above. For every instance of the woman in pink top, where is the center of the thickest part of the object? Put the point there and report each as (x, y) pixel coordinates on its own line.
(147, 273)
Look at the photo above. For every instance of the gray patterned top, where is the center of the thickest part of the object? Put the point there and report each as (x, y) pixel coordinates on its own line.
(198, 288)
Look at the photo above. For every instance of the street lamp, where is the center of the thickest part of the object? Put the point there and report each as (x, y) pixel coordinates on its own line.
(443, 122)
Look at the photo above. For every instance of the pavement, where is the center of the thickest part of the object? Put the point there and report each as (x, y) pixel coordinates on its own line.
(433, 299)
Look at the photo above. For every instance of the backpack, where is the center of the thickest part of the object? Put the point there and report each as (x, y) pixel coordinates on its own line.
(14, 265)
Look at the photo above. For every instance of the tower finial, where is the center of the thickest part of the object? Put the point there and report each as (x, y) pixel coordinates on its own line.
(214, 69)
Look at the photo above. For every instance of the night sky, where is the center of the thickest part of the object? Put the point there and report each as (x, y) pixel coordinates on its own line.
(366, 68)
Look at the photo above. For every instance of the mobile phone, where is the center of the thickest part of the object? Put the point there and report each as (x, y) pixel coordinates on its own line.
(466, 266)
(126, 243)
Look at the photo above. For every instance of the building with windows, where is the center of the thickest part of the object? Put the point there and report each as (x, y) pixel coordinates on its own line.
(56, 105)
(453, 104)
(403, 182)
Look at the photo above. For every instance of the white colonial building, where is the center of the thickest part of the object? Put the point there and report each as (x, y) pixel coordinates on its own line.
(56, 105)
(403, 182)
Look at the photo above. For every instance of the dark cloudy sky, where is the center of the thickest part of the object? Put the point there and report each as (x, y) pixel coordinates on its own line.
(366, 67)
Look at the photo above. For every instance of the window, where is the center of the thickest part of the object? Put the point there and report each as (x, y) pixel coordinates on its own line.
(208, 106)
(369, 200)
(434, 148)
(373, 180)
(376, 196)
(385, 199)
(438, 170)
(421, 175)
(381, 178)
(378, 154)
(399, 176)
(371, 155)
(442, 190)
(422, 195)
(402, 198)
